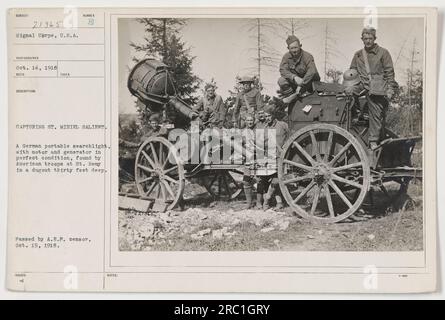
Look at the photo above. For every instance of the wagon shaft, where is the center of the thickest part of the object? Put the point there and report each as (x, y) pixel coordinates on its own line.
(402, 172)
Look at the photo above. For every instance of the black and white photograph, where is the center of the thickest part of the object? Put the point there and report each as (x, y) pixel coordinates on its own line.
(271, 134)
(229, 150)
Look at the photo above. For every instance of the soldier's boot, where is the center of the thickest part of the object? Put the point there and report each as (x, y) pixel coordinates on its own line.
(285, 87)
(259, 201)
(266, 201)
(271, 192)
(266, 205)
(267, 197)
(288, 99)
(249, 199)
(279, 204)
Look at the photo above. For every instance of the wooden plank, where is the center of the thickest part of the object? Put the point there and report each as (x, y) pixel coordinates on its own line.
(140, 205)
(159, 206)
(130, 195)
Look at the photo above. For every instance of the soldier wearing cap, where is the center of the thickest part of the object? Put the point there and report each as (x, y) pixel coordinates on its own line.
(248, 101)
(154, 127)
(297, 69)
(261, 118)
(248, 178)
(375, 68)
(211, 108)
(268, 185)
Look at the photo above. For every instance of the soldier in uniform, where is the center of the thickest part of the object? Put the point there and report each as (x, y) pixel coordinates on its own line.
(248, 178)
(268, 185)
(297, 69)
(248, 101)
(211, 108)
(261, 118)
(154, 127)
(374, 65)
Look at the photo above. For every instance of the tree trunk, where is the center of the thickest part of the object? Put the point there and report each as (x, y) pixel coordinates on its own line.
(259, 49)
(164, 40)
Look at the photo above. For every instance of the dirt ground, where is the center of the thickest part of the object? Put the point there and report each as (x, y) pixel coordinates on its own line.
(207, 225)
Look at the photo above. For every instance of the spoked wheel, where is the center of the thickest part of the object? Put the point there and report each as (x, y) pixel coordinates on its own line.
(159, 172)
(222, 184)
(324, 173)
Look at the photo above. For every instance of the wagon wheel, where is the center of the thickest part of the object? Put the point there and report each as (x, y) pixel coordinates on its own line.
(221, 184)
(159, 172)
(321, 168)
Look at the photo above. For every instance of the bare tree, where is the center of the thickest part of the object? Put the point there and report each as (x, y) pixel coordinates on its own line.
(407, 112)
(411, 82)
(292, 26)
(413, 60)
(265, 55)
(330, 51)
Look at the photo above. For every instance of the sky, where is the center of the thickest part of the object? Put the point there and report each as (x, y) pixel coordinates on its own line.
(225, 48)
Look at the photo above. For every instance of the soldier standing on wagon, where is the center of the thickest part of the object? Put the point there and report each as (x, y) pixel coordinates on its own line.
(374, 65)
(247, 102)
(268, 185)
(211, 108)
(297, 69)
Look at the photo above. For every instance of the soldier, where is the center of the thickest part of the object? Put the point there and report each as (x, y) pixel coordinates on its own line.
(374, 65)
(211, 108)
(154, 127)
(297, 69)
(261, 119)
(248, 101)
(269, 184)
(248, 178)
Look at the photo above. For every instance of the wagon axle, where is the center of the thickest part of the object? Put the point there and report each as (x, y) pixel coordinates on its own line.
(322, 173)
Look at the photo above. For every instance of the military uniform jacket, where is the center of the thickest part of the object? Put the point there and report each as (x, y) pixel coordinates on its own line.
(380, 63)
(281, 131)
(260, 124)
(247, 103)
(302, 65)
(212, 110)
